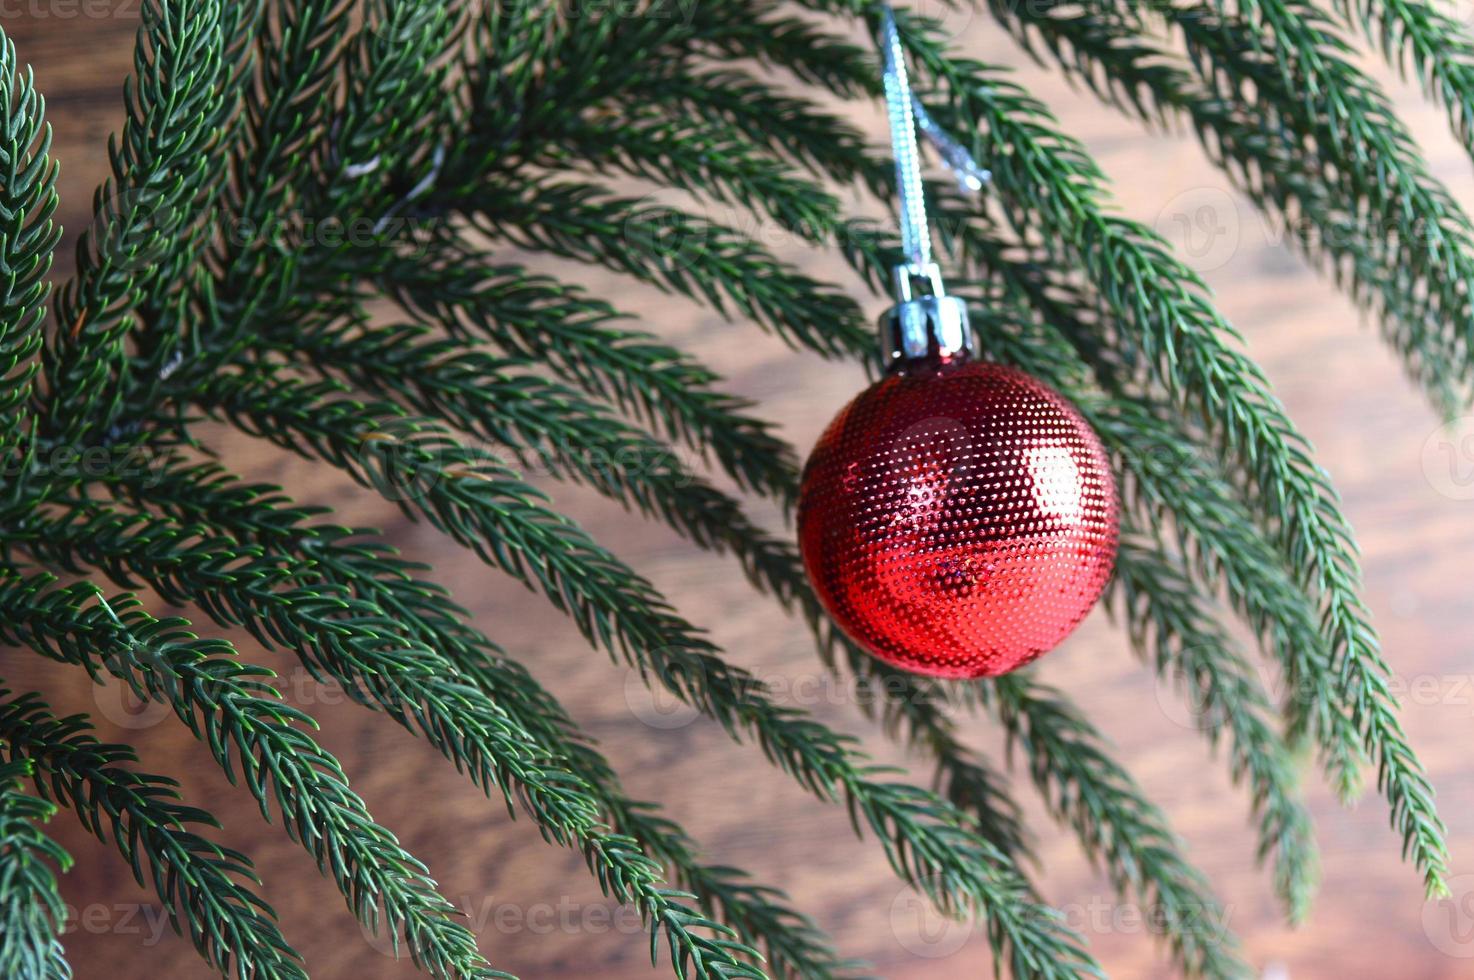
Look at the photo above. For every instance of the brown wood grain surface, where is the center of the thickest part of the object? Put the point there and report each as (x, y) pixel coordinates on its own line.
(1406, 485)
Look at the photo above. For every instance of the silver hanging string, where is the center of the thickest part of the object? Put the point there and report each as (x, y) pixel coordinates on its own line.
(915, 234)
(907, 117)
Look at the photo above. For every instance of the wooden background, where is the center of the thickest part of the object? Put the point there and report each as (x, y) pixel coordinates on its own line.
(537, 912)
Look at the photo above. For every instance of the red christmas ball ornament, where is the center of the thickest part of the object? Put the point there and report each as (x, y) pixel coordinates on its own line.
(958, 519)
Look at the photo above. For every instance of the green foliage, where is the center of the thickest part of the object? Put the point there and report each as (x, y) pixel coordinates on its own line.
(31, 909)
(1117, 825)
(203, 886)
(351, 641)
(27, 201)
(1440, 51)
(540, 319)
(229, 706)
(153, 206)
(450, 134)
(475, 500)
(1402, 276)
(674, 250)
(259, 516)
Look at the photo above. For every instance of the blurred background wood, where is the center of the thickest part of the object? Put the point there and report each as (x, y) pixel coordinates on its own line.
(535, 909)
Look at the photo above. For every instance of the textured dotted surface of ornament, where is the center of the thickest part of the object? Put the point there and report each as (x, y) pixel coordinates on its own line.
(958, 520)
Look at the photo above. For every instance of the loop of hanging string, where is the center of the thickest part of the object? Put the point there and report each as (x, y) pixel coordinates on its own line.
(971, 176)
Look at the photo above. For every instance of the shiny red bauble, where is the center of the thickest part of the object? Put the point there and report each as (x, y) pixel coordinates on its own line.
(958, 518)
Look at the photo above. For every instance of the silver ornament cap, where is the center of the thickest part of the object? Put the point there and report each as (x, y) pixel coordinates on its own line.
(925, 323)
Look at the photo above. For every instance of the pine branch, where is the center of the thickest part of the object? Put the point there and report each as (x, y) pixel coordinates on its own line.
(1171, 485)
(794, 945)
(278, 601)
(784, 125)
(1271, 782)
(195, 879)
(384, 359)
(483, 507)
(558, 72)
(1169, 625)
(1115, 822)
(336, 635)
(176, 106)
(531, 71)
(1166, 478)
(505, 55)
(670, 249)
(538, 318)
(1166, 482)
(756, 29)
(233, 709)
(394, 67)
(1143, 285)
(172, 270)
(396, 71)
(240, 332)
(734, 439)
(788, 941)
(28, 237)
(551, 426)
(32, 913)
(526, 411)
(1366, 154)
(910, 707)
(260, 516)
(1289, 185)
(371, 126)
(1214, 530)
(301, 49)
(708, 159)
(678, 926)
(1439, 45)
(1181, 890)
(462, 388)
(1119, 827)
(285, 117)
